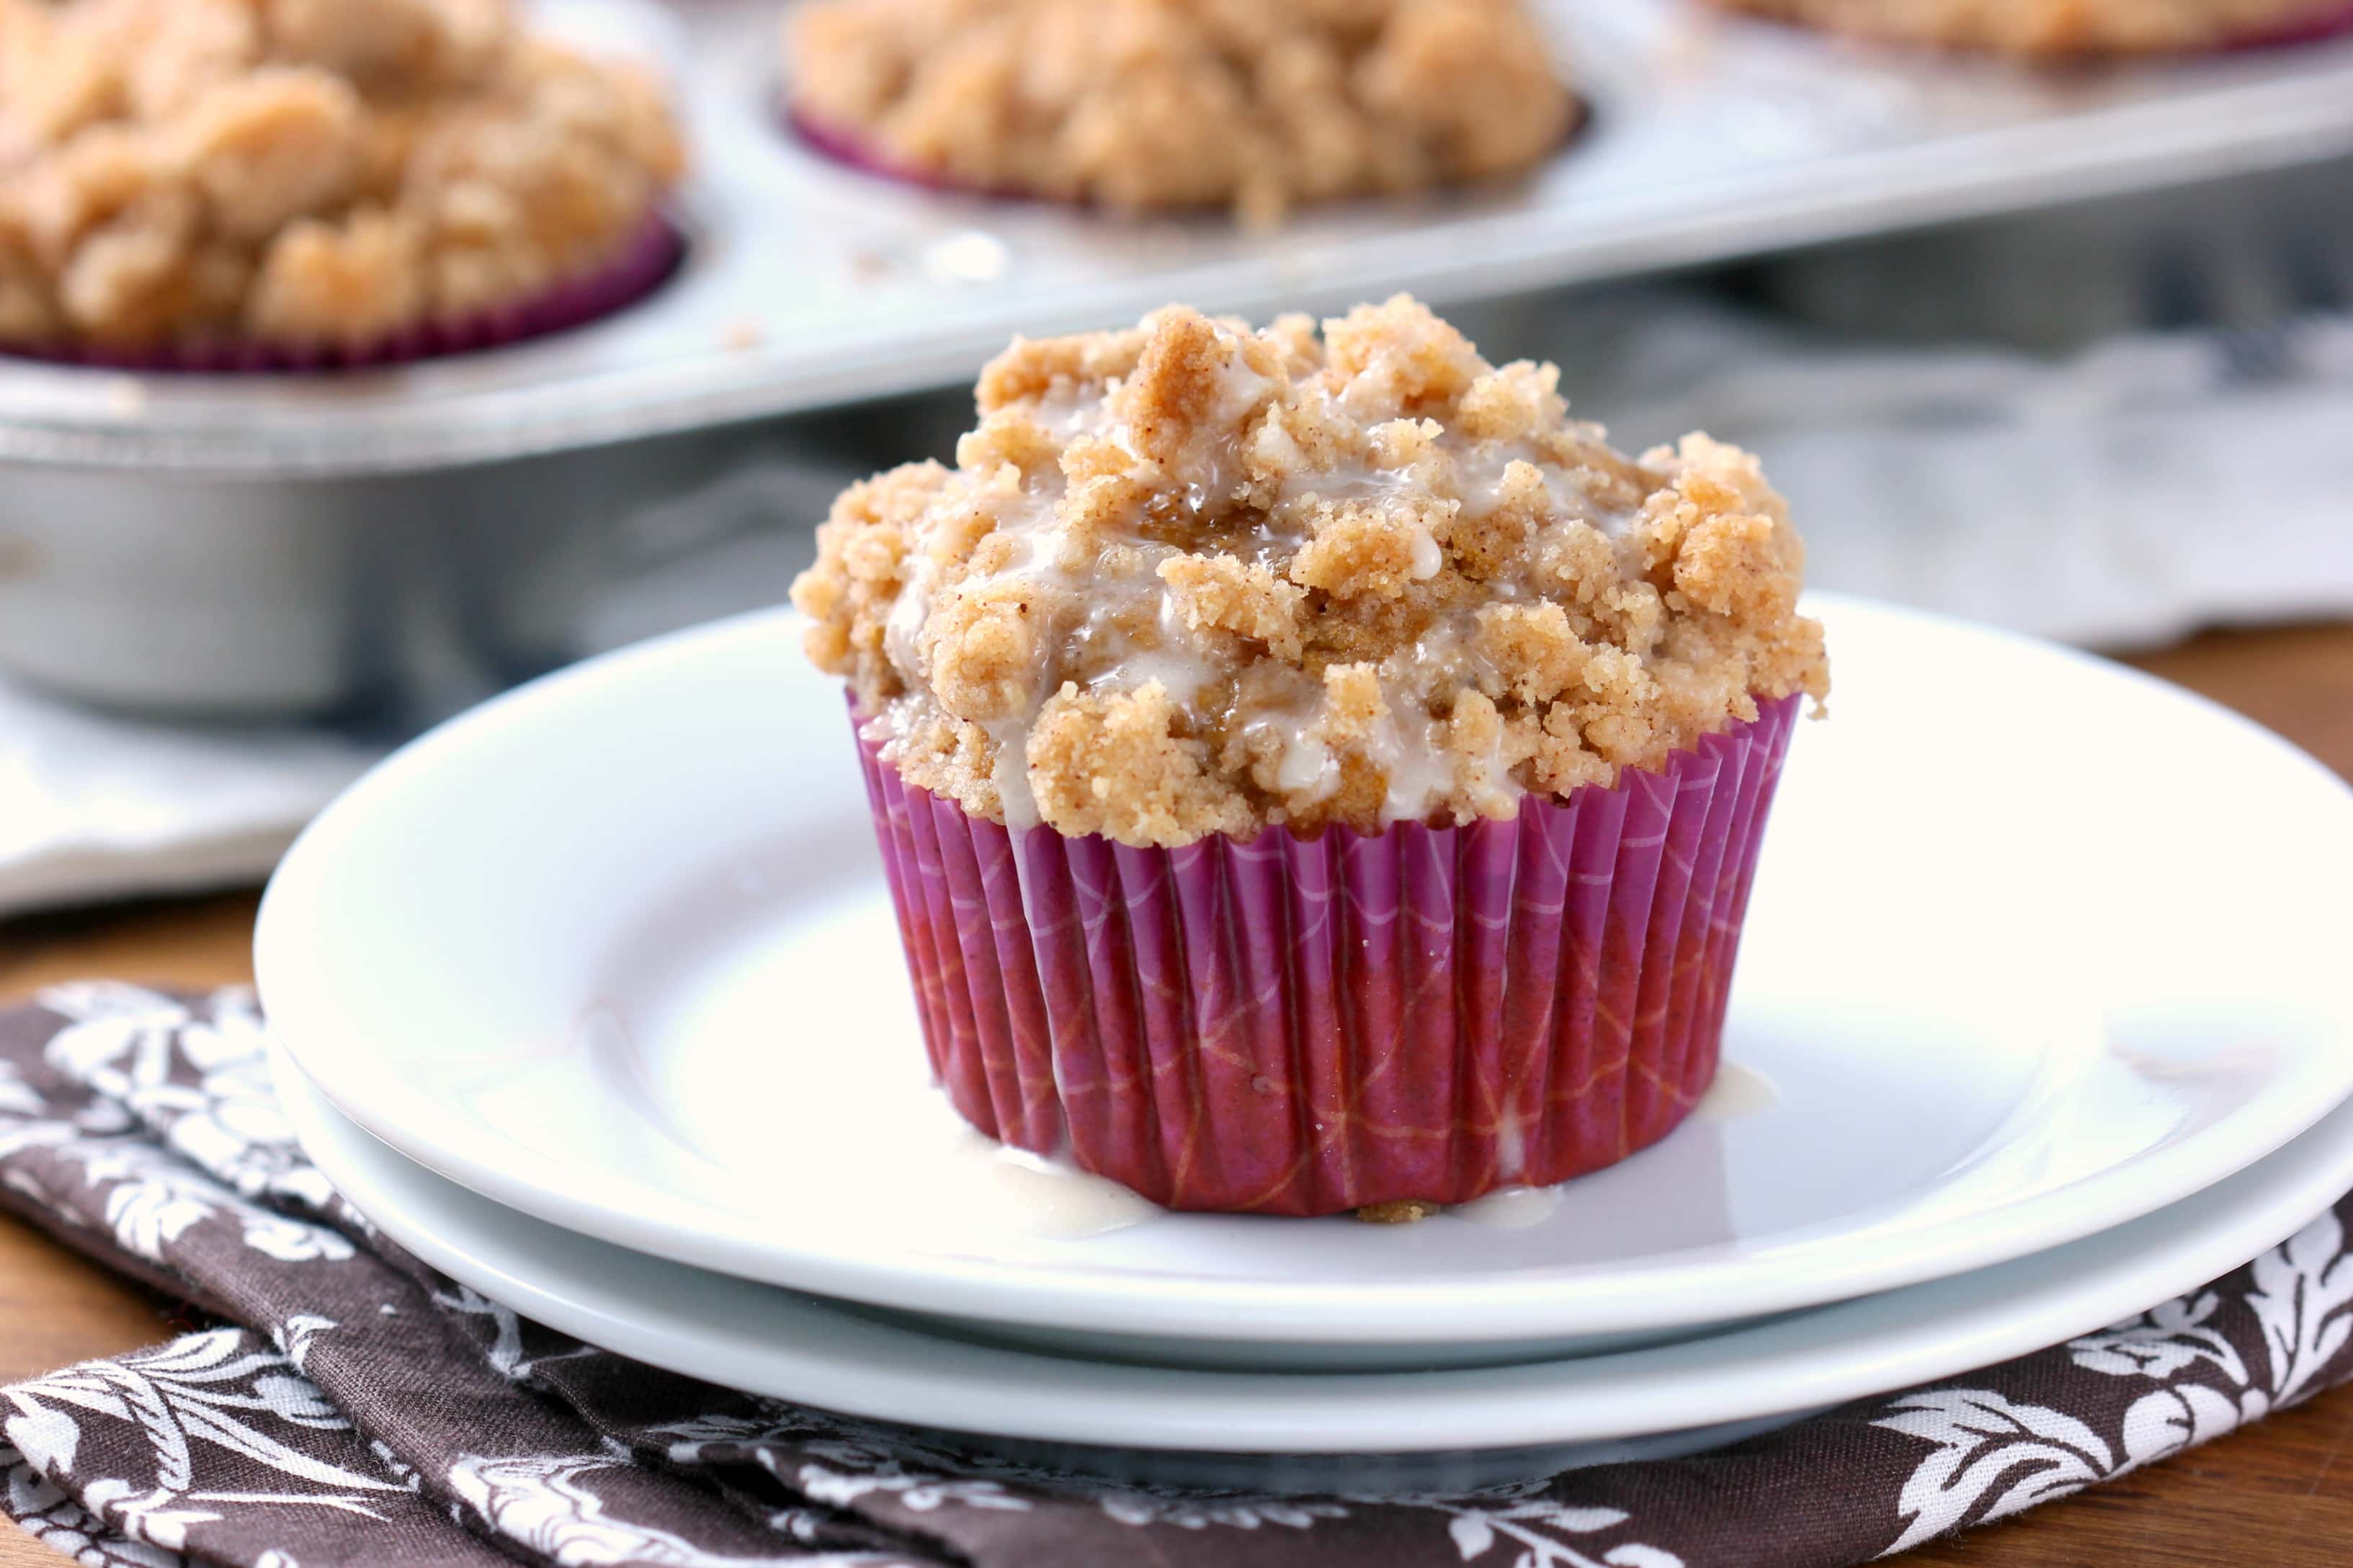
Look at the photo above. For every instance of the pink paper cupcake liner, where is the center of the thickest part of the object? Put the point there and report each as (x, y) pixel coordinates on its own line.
(1302, 1026)
(844, 148)
(641, 265)
(2312, 29)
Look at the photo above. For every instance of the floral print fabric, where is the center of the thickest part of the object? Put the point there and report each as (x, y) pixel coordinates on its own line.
(349, 1406)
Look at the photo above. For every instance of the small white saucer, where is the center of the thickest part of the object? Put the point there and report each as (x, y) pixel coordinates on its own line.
(1331, 1431)
(2037, 948)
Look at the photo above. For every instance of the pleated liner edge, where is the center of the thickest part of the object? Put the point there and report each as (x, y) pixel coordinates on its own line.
(1302, 1026)
(640, 265)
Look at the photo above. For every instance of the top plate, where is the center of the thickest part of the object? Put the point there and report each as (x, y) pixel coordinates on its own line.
(810, 284)
(2035, 949)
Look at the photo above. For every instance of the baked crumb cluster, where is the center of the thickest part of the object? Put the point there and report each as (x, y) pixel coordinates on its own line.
(304, 171)
(2056, 29)
(1191, 579)
(1170, 103)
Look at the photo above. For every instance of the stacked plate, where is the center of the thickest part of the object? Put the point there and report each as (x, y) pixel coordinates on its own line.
(593, 999)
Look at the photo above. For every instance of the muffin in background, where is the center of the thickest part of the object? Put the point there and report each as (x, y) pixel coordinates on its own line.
(1154, 104)
(1315, 773)
(2062, 30)
(234, 181)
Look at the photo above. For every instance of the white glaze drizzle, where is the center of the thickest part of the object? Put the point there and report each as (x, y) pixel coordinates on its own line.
(1409, 746)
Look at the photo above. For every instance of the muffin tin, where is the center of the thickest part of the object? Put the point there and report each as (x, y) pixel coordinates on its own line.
(226, 543)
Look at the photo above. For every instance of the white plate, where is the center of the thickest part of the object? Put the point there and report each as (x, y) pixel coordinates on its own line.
(1467, 1427)
(2038, 946)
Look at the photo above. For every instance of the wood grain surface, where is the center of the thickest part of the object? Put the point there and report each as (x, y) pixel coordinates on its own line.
(2279, 1494)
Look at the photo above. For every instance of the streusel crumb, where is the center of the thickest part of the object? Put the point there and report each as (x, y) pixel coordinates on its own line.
(304, 171)
(2056, 29)
(1167, 103)
(1191, 579)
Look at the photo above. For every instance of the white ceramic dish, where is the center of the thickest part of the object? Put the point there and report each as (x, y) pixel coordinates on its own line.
(1427, 1429)
(2023, 965)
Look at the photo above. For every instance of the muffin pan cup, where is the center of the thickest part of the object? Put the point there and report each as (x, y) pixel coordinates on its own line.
(809, 284)
(641, 263)
(1302, 1026)
(844, 148)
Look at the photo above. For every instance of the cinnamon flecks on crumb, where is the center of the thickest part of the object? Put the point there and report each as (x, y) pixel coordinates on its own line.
(302, 171)
(1190, 579)
(1175, 103)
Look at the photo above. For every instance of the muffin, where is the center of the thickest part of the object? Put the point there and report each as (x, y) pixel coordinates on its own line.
(1153, 104)
(1314, 773)
(2067, 29)
(222, 182)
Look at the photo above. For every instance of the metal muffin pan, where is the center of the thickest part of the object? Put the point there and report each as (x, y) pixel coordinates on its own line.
(250, 544)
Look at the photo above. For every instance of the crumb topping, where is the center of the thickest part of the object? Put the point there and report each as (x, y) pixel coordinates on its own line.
(1165, 103)
(2055, 29)
(304, 171)
(1190, 579)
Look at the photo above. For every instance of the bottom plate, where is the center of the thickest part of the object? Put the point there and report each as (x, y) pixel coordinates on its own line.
(1182, 1425)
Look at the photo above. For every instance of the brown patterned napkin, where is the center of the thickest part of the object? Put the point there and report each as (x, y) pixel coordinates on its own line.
(353, 1408)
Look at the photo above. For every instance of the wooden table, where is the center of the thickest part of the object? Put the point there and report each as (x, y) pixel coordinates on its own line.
(2280, 1494)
